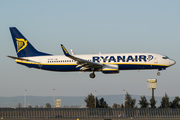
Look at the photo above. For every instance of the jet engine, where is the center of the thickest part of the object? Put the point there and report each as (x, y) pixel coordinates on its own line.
(110, 69)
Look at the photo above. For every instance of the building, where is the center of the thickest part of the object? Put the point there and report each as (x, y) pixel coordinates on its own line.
(58, 102)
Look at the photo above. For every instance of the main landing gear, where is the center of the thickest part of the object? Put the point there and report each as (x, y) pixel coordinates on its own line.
(92, 75)
(158, 73)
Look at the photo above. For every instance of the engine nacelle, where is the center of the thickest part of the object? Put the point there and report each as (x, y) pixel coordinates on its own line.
(110, 69)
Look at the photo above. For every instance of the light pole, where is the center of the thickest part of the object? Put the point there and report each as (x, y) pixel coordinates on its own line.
(124, 97)
(25, 98)
(95, 98)
(53, 97)
(124, 101)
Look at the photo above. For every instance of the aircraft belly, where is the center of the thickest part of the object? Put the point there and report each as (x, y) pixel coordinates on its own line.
(134, 67)
(60, 67)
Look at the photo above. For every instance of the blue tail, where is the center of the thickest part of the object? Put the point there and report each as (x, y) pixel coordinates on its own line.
(22, 46)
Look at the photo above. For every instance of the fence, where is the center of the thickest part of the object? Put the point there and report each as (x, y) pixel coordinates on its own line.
(88, 113)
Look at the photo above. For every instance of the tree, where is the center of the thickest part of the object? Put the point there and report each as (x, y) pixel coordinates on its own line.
(114, 105)
(19, 105)
(103, 103)
(165, 101)
(122, 106)
(48, 105)
(90, 101)
(175, 103)
(152, 102)
(97, 103)
(143, 102)
(29, 106)
(36, 106)
(129, 102)
(117, 105)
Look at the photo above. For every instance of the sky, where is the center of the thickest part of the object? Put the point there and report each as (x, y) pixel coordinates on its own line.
(89, 27)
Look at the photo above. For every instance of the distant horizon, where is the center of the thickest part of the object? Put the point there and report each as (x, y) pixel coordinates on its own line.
(84, 96)
(70, 100)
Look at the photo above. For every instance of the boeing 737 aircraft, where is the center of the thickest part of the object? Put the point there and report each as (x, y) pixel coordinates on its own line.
(106, 63)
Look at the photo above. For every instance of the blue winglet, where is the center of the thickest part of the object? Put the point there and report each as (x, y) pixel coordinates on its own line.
(64, 50)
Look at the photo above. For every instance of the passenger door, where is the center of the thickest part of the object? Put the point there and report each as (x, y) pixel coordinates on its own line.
(155, 59)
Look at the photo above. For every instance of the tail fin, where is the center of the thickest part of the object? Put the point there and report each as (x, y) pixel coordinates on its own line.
(22, 46)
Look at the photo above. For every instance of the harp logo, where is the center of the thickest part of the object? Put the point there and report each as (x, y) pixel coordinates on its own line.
(21, 44)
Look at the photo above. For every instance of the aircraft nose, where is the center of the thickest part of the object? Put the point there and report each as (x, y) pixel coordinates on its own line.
(172, 62)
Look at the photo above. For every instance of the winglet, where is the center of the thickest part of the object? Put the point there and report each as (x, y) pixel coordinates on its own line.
(64, 50)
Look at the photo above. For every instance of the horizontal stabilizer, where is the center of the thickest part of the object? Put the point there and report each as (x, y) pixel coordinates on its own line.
(18, 58)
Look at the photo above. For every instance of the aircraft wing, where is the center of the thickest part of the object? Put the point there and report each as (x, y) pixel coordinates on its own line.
(84, 64)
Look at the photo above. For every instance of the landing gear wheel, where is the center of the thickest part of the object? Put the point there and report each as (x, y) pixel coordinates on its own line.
(92, 75)
(158, 73)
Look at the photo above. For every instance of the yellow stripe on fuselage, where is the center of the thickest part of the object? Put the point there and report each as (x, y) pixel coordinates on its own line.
(110, 70)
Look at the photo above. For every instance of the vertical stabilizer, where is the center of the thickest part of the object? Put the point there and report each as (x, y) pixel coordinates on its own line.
(22, 45)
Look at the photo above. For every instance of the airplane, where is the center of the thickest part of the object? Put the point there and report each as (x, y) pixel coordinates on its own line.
(106, 63)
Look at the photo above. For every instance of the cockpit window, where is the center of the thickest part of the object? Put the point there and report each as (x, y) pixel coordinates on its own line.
(165, 57)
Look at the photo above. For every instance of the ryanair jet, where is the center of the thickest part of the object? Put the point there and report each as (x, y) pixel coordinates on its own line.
(106, 63)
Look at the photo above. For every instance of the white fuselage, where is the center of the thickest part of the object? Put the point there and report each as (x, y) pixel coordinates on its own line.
(125, 61)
